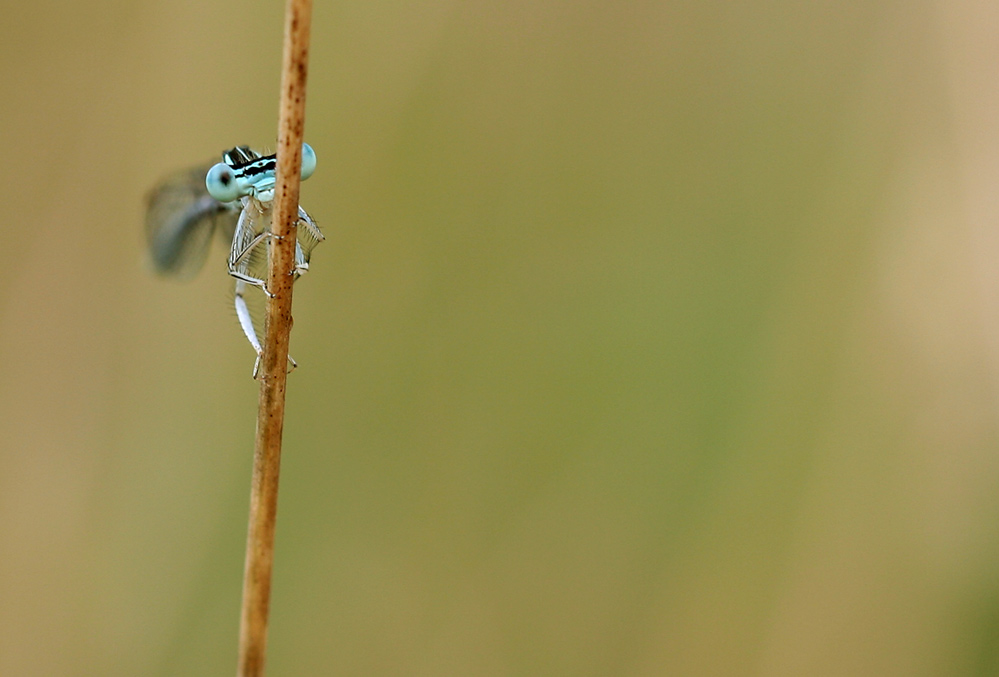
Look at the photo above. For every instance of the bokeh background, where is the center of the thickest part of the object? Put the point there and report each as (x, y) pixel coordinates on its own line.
(649, 338)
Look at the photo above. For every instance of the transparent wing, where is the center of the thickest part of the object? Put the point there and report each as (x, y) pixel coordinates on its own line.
(180, 219)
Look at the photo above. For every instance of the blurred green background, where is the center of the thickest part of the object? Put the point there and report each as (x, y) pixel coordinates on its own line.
(648, 338)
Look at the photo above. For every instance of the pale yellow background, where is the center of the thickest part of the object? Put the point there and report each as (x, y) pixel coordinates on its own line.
(649, 338)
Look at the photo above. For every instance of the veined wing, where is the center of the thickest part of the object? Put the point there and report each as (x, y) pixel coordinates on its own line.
(180, 219)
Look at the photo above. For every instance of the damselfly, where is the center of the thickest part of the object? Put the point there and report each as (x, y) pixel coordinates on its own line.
(235, 198)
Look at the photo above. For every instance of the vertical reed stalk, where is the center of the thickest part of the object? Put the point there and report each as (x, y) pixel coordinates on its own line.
(277, 327)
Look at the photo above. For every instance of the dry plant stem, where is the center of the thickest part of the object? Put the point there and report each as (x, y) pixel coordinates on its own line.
(277, 327)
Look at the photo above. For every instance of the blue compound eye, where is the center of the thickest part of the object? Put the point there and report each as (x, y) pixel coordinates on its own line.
(222, 184)
(308, 161)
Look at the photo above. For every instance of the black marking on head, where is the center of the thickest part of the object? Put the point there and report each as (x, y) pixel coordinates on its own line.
(260, 166)
(239, 156)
